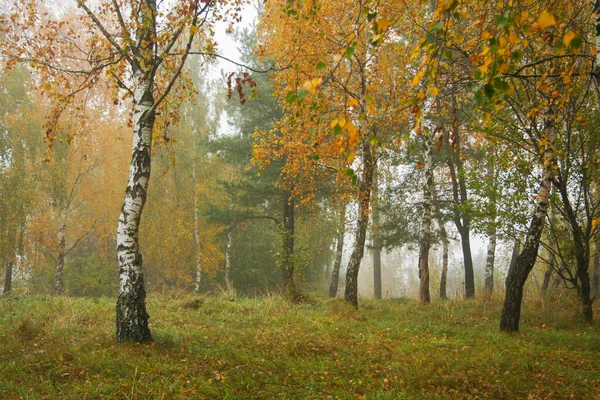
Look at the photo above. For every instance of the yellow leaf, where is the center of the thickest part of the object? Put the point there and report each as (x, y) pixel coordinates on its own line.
(543, 142)
(421, 96)
(504, 68)
(545, 20)
(334, 123)
(485, 35)
(415, 81)
(569, 36)
(383, 24)
(342, 122)
(352, 135)
(352, 102)
(350, 156)
(513, 38)
(434, 91)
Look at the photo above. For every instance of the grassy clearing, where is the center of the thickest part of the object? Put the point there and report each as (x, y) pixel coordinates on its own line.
(230, 348)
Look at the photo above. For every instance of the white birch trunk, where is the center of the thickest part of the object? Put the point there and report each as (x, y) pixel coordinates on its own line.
(424, 294)
(60, 259)
(228, 262)
(132, 318)
(198, 278)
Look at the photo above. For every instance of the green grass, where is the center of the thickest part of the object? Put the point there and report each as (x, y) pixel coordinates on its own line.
(236, 348)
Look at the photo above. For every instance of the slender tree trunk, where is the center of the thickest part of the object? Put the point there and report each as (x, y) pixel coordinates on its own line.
(596, 276)
(198, 277)
(8, 277)
(287, 265)
(581, 247)
(515, 252)
(228, 283)
(489, 264)
(519, 271)
(376, 241)
(424, 295)
(491, 251)
(461, 218)
(59, 288)
(364, 203)
(445, 251)
(546, 282)
(339, 249)
(132, 318)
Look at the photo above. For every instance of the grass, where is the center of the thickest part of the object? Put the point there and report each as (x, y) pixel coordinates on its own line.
(261, 348)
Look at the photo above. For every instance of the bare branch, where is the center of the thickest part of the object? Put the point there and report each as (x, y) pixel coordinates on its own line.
(105, 32)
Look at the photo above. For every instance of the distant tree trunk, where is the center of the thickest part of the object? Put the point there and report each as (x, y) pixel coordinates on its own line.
(596, 276)
(376, 241)
(8, 277)
(546, 282)
(461, 219)
(548, 274)
(59, 288)
(228, 283)
(132, 317)
(491, 251)
(198, 277)
(581, 247)
(445, 252)
(489, 264)
(287, 264)
(339, 249)
(364, 203)
(519, 271)
(425, 242)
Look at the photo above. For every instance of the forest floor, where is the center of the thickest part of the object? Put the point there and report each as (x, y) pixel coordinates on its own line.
(224, 347)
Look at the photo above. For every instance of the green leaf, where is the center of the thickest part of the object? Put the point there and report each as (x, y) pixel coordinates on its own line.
(501, 85)
(479, 99)
(429, 39)
(291, 97)
(488, 90)
(576, 42)
(501, 21)
(337, 129)
(315, 157)
(375, 141)
(302, 94)
(321, 65)
(350, 51)
(350, 172)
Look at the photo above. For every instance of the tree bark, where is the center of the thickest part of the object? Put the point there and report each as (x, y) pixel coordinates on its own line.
(596, 276)
(376, 248)
(491, 250)
(198, 277)
(228, 283)
(461, 218)
(444, 275)
(287, 264)
(339, 249)
(59, 288)
(519, 271)
(581, 247)
(132, 318)
(364, 203)
(424, 295)
(546, 282)
(8, 277)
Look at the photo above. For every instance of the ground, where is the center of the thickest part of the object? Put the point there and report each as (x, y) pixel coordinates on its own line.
(227, 347)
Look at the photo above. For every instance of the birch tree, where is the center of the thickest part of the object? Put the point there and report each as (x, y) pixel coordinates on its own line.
(136, 49)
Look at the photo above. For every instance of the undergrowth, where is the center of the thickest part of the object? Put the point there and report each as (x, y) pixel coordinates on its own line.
(229, 347)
